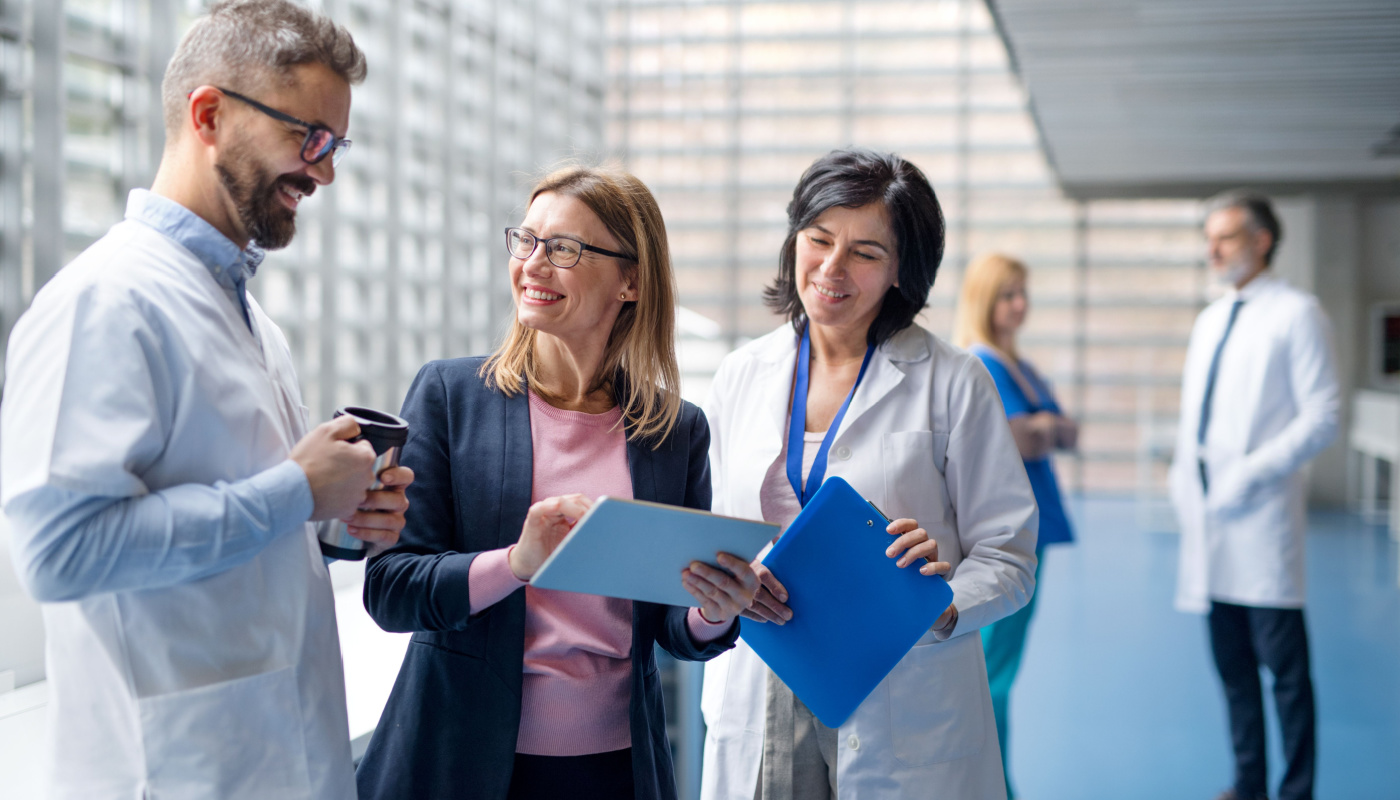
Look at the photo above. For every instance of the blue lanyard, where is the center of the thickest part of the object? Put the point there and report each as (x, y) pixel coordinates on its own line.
(799, 422)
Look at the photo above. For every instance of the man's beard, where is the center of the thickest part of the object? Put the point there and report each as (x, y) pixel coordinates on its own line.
(254, 190)
(1234, 271)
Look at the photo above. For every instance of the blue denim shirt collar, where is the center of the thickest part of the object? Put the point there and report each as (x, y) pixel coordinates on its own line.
(230, 266)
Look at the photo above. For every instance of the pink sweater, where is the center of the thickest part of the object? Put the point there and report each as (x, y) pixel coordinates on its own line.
(578, 647)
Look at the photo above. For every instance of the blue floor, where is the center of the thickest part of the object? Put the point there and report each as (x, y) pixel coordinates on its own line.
(1118, 697)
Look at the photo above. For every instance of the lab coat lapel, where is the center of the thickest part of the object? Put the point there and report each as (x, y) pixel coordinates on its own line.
(280, 374)
(776, 397)
(232, 318)
(280, 388)
(884, 373)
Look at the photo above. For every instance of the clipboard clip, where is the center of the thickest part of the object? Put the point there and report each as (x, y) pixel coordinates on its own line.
(887, 520)
(878, 511)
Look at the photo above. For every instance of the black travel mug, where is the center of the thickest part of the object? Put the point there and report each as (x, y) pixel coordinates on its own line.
(387, 434)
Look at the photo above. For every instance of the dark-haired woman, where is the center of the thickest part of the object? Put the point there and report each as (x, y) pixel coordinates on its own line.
(915, 426)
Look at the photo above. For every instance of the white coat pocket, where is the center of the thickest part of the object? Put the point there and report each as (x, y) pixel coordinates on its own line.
(937, 695)
(914, 486)
(236, 740)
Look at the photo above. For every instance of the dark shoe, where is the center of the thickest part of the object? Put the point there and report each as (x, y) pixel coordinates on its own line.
(1231, 794)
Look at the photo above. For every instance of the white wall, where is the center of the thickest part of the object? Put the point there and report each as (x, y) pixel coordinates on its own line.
(23, 694)
(23, 735)
(21, 625)
(1380, 258)
(1346, 250)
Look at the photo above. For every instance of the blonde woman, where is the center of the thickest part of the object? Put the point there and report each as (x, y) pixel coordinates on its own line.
(511, 693)
(991, 310)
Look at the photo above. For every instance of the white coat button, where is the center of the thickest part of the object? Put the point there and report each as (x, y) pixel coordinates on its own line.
(843, 452)
(853, 742)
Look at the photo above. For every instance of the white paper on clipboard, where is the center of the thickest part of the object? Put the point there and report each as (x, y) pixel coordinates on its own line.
(636, 550)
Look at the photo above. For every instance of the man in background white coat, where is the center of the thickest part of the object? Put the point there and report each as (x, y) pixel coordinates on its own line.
(1259, 399)
(157, 468)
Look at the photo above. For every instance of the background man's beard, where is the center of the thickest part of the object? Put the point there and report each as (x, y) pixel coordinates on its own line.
(268, 223)
(1234, 271)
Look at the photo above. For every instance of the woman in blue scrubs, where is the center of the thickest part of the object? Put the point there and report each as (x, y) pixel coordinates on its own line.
(991, 311)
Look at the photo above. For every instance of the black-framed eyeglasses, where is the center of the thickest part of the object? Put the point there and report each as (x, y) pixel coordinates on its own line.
(320, 141)
(562, 251)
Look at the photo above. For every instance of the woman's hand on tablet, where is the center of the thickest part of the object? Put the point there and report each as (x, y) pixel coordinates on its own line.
(546, 525)
(723, 593)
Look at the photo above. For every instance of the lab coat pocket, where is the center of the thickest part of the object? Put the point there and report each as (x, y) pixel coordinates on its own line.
(233, 740)
(935, 709)
(734, 694)
(914, 487)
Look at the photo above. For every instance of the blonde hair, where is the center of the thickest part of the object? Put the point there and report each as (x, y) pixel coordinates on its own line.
(982, 281)
(639, 363)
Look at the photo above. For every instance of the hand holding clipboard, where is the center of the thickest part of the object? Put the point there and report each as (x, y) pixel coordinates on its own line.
(770, 603)
(855, 611)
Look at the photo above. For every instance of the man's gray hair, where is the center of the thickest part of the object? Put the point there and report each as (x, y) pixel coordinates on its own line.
(1257, 208)
(243, 44)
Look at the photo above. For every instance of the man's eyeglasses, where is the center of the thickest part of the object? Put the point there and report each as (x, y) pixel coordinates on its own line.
(562, 251)
(320, 141)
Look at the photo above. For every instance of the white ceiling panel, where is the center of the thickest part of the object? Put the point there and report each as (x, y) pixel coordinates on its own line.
(1196, 93)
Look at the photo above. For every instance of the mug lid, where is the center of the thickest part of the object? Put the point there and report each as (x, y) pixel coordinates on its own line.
(382, 429)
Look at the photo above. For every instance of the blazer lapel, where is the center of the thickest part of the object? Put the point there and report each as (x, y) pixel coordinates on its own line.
(517, 467)
(642, 463)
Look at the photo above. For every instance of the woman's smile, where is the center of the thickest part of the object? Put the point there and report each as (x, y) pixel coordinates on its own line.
(534, 295)
(830, 295)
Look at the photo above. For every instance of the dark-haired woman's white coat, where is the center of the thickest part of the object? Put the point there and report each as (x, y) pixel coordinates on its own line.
(925, 438)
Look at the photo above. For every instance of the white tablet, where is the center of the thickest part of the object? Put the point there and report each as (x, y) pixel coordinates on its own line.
(636, 550)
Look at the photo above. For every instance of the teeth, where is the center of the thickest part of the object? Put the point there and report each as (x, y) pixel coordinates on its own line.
(829, 293)
(536, 294)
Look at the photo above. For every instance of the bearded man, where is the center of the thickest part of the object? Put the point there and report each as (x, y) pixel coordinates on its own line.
(157, 466)
(1259, 399)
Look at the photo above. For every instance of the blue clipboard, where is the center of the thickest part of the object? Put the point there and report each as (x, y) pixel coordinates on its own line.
(854, 613)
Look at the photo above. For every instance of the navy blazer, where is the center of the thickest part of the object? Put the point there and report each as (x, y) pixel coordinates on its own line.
(450, 726)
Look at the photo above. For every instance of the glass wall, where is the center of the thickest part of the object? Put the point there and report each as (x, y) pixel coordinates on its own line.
(401, 260)
(79, 126)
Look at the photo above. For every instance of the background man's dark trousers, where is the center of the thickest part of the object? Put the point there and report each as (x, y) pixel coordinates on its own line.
(1242, 639)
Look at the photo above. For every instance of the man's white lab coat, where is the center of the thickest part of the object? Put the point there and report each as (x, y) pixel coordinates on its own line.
(1274, 407)
(133, 373)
